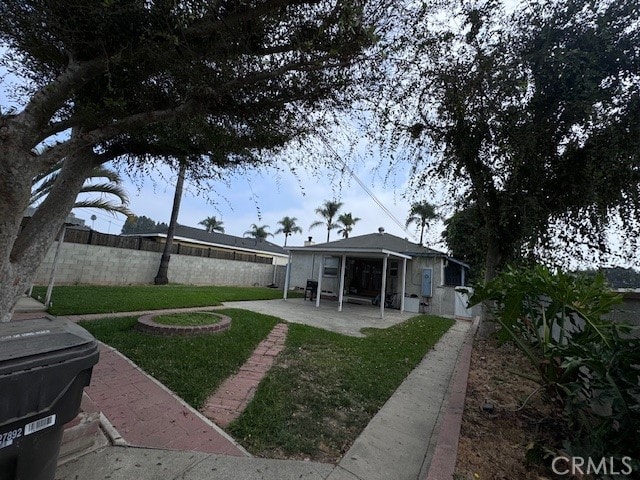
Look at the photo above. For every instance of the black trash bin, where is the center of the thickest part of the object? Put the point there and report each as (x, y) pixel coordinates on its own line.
(44, 366)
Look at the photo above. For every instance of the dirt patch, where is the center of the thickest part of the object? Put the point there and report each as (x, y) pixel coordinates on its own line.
(498, 427)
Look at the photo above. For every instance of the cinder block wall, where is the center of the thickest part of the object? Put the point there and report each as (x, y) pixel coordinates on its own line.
(98, 265)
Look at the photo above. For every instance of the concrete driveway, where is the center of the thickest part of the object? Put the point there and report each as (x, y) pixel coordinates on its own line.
(349, 321)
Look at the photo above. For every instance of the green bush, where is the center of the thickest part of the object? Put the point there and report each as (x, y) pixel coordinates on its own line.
(587, 365)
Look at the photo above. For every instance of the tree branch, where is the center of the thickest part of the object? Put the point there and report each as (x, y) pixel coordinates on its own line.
(46, 101)
(61, 150)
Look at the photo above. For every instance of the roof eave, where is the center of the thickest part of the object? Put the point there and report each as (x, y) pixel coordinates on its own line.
(360, 251)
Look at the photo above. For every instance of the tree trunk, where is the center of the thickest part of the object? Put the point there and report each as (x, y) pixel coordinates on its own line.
(22, 252)
(493, 260)
(162, 278)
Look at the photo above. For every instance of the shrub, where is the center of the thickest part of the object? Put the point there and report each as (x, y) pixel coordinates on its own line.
(587, 365)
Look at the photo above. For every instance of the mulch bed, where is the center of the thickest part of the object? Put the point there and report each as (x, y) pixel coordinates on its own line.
(498, 427)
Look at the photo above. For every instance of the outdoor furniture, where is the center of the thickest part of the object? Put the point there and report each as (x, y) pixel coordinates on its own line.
(312, 288)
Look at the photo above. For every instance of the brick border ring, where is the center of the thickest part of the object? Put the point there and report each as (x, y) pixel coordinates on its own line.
(147, 324)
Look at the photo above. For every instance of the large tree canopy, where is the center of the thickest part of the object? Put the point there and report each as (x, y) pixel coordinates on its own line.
(216, 81)
(532, 116)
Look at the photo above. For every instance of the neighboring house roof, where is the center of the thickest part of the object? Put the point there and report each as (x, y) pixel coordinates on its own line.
(376, 243)
(71, 219)
(197, 235)
(622, 278)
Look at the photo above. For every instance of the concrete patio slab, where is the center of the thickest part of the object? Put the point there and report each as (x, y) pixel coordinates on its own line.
(349, 321)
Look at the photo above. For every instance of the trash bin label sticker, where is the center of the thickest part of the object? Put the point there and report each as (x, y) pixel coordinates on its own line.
(38, 425)
(7, 438)
(23, 335)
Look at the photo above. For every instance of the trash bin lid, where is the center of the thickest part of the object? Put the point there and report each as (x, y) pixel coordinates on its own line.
(32, 343)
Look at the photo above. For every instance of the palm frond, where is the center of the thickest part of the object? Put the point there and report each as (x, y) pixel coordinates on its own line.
(105, 205)
(107, 188)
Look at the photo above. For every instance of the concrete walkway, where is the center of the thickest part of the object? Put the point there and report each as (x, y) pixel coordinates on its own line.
(397, 444)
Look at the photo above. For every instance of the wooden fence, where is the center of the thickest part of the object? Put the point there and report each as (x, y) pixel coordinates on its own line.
(90, 237)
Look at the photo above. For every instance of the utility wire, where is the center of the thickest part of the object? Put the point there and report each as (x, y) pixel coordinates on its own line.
(323, 138)
(348, 169)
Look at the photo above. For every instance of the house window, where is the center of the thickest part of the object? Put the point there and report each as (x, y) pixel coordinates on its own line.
(393, 268)
(331, 266)
(453, 274)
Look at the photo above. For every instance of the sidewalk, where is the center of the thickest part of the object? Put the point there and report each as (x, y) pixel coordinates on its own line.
(145, 413)
(397, 444)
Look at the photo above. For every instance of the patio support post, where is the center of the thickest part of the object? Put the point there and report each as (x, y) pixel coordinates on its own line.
(403, 283)
(286, 278)
(319, 281)
(343, 268)
(383, 289)
(462, 279)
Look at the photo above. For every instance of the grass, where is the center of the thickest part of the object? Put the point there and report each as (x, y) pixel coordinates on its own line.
(326, 388)
(80, 299)
(193, 319)
(192, 367)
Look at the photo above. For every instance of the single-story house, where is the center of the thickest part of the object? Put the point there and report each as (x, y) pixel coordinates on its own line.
(367, 268)
(222, 242)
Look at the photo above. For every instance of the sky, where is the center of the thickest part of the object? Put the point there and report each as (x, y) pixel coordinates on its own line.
(265, 196)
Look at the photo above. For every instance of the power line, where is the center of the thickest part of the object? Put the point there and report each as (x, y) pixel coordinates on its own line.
(340, 159)
(361, 183)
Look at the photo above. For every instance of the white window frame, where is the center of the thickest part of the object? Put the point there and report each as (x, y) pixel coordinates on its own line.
(327, 262)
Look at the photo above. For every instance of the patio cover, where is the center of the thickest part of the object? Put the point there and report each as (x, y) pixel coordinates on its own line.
(335, 249)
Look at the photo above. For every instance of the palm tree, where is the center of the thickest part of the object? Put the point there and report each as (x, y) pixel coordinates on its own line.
(288, 227)
(422, 213)
(112, 197)
(162, 277)
(212, 224)
(328, 211)
(347, 222)
(109, 191)
(258, 232)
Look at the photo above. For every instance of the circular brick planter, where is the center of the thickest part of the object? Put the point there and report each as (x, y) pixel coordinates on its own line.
(147, 324)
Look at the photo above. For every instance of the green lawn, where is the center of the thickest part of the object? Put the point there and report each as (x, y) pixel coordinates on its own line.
(327, 387)
(192, 367)
(80, 299)
(313, 403)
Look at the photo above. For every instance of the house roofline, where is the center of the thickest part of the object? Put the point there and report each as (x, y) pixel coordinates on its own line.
(360, 251)
(380, 251)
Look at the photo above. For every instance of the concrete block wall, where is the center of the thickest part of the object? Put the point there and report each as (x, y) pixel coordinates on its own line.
(98, 265)
(211, 271)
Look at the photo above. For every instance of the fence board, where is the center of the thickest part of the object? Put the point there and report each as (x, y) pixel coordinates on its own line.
(87, 237)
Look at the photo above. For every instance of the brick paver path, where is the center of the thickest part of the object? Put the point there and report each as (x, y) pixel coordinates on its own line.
(233, 396)
(147, 414)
